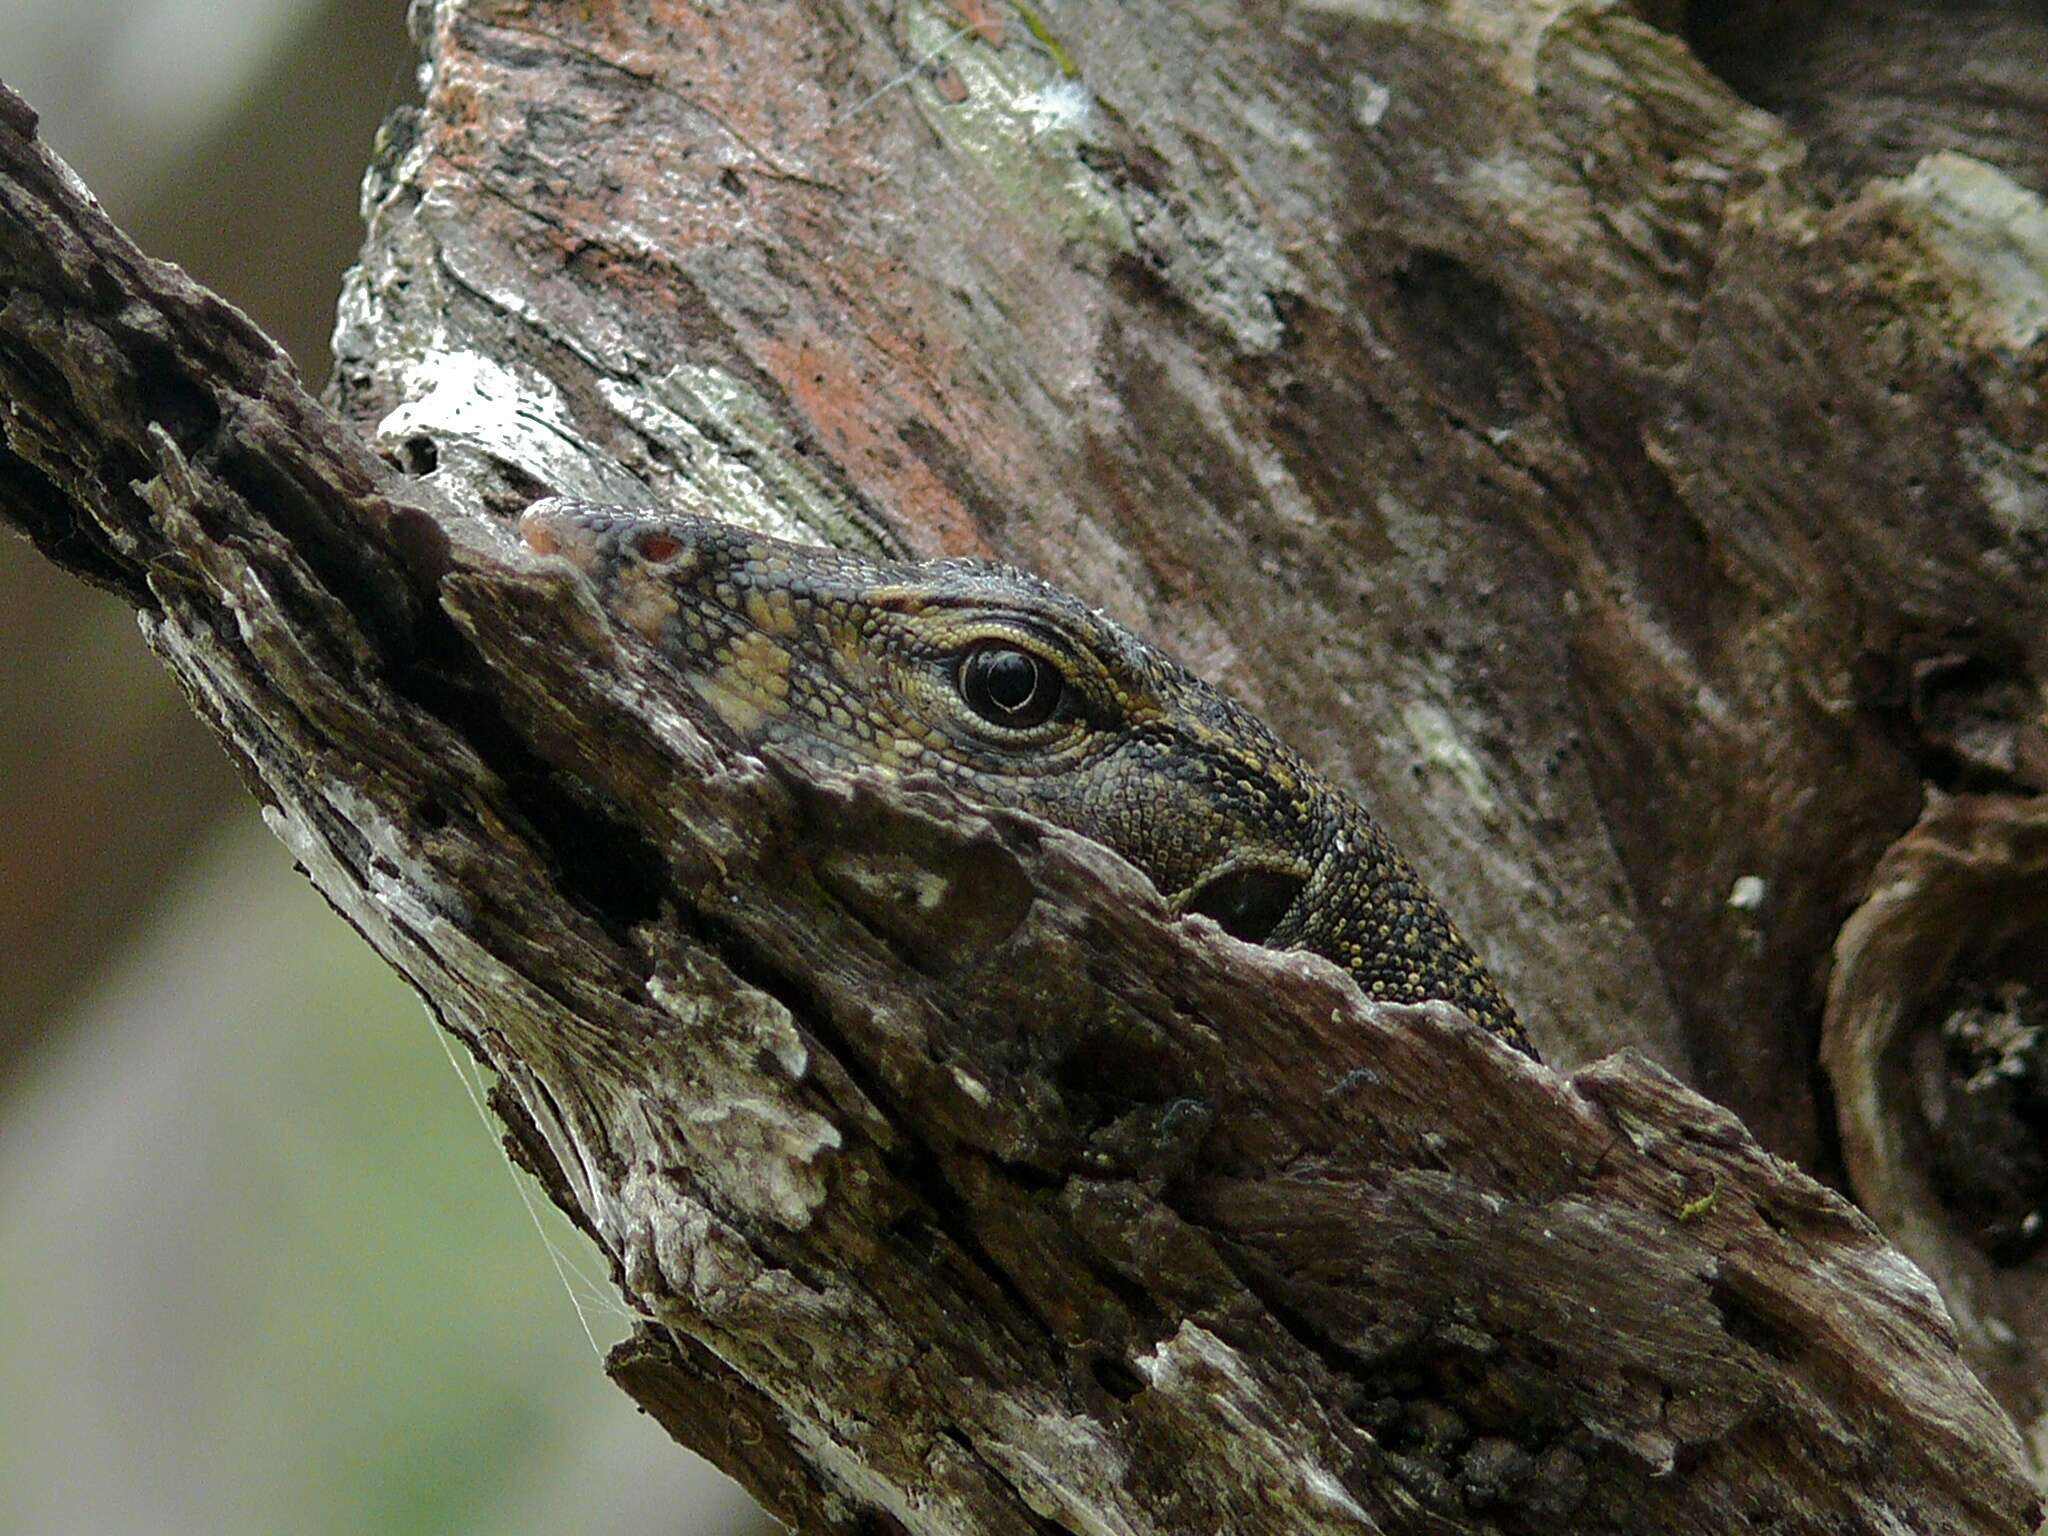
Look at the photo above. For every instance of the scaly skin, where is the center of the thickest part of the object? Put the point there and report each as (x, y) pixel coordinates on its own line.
(844, 659)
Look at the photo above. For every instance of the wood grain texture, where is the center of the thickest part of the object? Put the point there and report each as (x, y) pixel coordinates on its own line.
(978, 1193)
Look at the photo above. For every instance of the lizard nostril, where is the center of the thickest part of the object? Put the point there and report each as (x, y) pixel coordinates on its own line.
(1246, 902)
(658, 547)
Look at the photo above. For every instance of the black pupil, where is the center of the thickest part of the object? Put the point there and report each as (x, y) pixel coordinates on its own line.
(1011, 678)
(1009, 687)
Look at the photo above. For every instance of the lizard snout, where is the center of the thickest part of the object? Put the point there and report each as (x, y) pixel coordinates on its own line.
(593, 538)
(565, 528)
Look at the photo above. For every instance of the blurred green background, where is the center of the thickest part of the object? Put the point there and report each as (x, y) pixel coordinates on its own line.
(262, 1269)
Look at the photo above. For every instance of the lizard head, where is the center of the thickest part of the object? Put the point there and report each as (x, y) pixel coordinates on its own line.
(1019, 694)
(977, 674)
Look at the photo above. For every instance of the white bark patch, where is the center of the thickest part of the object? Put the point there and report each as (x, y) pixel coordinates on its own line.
(1200, 1369)
(1748, 893)
(735, 1123)
(928, 1509)
(735, 458)
(1369, 101)
(1992, 235)
(1444, 745)
(1021, 122)
(508, 412)
(2014, 485)
(1068, 1471)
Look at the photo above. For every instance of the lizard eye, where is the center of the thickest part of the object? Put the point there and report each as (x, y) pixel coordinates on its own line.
(1009, 687)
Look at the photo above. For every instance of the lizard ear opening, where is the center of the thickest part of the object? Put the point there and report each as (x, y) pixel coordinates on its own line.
(1247, 901)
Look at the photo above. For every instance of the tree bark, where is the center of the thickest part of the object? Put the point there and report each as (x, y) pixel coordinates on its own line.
(1489, 377)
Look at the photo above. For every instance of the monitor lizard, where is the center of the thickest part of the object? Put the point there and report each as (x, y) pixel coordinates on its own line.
(1020, 694)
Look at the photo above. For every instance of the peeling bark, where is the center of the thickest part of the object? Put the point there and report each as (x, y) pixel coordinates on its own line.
(1490, 377)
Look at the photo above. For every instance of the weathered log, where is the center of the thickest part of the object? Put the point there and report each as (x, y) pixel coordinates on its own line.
(963, 1188)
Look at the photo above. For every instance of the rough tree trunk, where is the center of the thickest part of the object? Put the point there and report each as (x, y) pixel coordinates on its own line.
(1641, 511)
